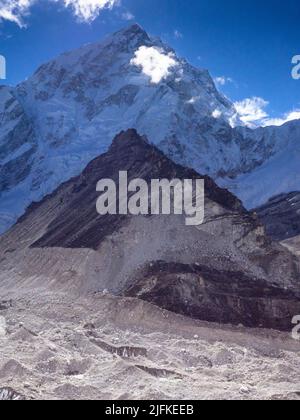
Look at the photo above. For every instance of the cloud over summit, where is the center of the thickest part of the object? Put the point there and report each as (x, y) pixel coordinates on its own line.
(85, 10)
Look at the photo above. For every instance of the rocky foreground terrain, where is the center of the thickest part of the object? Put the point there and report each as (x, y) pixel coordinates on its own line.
(59, 346)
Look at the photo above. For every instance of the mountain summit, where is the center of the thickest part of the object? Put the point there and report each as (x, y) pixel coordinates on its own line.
(66, 114)
(57, 121)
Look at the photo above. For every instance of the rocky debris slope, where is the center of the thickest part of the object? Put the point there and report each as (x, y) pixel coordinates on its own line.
(281, 216)
(225, 270)
(67, 113)
(101, 347)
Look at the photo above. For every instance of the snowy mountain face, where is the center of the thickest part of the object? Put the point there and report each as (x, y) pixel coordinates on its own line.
(272, 166)
(69, 111)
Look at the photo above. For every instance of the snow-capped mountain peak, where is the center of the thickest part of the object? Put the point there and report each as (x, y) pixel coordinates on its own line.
(69, 111)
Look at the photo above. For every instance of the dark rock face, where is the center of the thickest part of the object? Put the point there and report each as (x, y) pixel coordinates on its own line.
(78, 225)
(217, 296)
(281, 216)
(225, 270)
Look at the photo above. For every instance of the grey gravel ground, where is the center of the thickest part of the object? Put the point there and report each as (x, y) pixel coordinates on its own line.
(54, 346)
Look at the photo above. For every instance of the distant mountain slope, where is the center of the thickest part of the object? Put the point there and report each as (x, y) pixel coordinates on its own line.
(274, 164)
(293, 244)
(225, 270)
(281, 216)
(66, 114)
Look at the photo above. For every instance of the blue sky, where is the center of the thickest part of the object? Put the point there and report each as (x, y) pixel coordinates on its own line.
(247, 46)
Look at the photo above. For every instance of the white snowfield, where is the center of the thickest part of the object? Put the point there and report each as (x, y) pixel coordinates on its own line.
(68, 112)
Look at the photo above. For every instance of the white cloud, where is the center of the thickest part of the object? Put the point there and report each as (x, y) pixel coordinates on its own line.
(15, 10)
(128, 16)
(84, 10)
(252, 110)
(89, 10)
(178, 34)
(154, 62)
(290, 116)
(223, 80)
